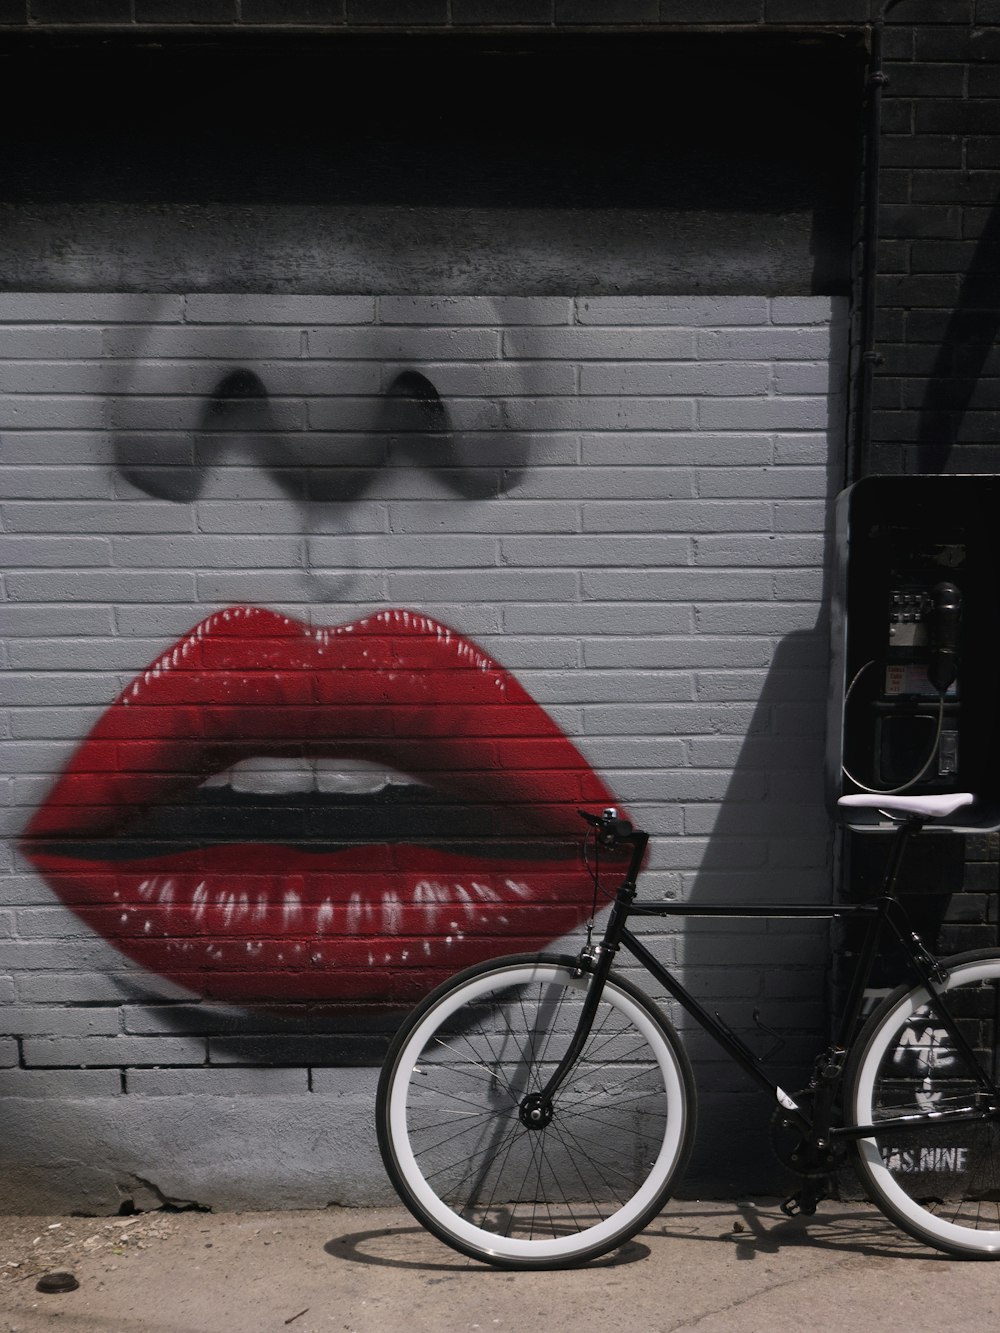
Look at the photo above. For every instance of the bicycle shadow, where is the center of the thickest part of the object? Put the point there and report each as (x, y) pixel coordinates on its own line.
(419, 1249)
(760, 1231)
(754, 1230)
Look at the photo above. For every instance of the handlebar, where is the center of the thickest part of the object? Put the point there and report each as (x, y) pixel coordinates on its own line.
(608, 828)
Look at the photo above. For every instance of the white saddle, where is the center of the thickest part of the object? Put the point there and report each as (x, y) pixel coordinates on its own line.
(928, 807)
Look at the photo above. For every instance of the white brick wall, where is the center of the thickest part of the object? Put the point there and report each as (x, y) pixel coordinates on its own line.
(653, 575)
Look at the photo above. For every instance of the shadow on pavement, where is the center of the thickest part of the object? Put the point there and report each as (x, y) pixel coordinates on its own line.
(753, 1231)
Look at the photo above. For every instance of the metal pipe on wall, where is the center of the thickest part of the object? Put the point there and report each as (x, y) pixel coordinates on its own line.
(868, 359)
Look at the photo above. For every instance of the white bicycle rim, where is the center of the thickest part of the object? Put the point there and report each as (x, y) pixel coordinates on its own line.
(562, 1247)
(973, 1242)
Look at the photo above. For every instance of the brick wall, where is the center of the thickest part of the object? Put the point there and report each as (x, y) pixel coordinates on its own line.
(936, 386)
(646, 559)
(420, 14)
(671, 538)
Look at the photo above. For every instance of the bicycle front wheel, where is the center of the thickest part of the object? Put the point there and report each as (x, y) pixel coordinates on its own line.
(937, 1179)
(497, 1187)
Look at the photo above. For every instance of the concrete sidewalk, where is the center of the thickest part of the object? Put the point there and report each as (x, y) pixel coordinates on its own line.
(715, 1267)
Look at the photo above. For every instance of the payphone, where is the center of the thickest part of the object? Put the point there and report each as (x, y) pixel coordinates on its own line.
(918, 705)
(915, 614)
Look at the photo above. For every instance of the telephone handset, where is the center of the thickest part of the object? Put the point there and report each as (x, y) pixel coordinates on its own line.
(944, 621)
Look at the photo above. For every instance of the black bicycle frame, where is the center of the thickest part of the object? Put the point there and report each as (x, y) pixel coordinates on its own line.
(886, 914)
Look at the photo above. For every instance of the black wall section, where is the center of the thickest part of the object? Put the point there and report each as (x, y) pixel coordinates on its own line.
(456, 163)
(937, 383)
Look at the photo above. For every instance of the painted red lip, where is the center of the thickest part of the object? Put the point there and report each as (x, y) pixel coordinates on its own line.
(372, 899)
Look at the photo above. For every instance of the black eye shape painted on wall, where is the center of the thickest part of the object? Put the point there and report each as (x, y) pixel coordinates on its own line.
(430, 164)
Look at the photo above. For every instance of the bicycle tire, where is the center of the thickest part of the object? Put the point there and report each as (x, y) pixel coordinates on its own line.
(939, 1182)
(488, 1185)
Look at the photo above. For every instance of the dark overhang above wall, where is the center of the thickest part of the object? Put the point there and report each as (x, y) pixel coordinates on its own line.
(625, 164)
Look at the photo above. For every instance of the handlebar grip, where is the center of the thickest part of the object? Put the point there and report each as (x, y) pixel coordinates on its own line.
(610, 829)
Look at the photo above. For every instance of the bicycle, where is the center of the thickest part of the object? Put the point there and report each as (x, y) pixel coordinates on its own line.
(535, 1111)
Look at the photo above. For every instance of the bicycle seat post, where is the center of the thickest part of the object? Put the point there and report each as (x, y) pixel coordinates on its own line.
(906, 830)
(911, 824)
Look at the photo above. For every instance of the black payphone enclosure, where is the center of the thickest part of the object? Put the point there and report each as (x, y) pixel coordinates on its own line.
(915, 601)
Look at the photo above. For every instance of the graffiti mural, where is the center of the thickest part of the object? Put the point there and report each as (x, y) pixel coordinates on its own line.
(312, 803)
(321, 616)
(328, 612)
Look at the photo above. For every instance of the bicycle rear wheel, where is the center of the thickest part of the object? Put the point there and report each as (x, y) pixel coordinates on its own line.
(939, 1181)
(513, 1194)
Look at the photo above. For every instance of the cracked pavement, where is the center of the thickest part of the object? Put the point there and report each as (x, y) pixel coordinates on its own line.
(714, 1267)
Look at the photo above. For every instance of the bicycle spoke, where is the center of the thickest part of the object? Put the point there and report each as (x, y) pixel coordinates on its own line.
(554, 1182)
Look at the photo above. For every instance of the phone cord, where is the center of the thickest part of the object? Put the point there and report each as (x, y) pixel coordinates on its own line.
(894, 791)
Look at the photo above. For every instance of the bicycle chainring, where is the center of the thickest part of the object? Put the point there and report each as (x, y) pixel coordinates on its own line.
(794, 1151)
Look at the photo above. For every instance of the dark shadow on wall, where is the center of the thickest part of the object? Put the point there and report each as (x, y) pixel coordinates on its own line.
(962, 392)
(772, 841)
(769, 981)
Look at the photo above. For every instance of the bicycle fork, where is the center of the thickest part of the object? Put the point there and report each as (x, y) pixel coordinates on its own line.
(535, 1110)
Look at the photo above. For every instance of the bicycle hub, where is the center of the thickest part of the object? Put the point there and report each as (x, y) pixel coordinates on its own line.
(535, 1113)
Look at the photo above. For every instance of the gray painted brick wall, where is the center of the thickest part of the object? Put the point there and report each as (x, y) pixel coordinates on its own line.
(654, 576)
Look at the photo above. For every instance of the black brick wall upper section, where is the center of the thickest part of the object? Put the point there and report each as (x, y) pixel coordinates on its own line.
(416, 14)
(479, 13)
(937, 389)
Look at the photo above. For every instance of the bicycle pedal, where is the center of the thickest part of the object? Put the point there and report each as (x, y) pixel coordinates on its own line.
(794, 1207)
(804, 1203)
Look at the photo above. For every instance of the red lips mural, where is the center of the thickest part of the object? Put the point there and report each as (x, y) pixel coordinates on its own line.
(276, 811)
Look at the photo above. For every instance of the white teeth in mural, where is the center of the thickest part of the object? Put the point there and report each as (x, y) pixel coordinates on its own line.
(358, 776)
(287, 776)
